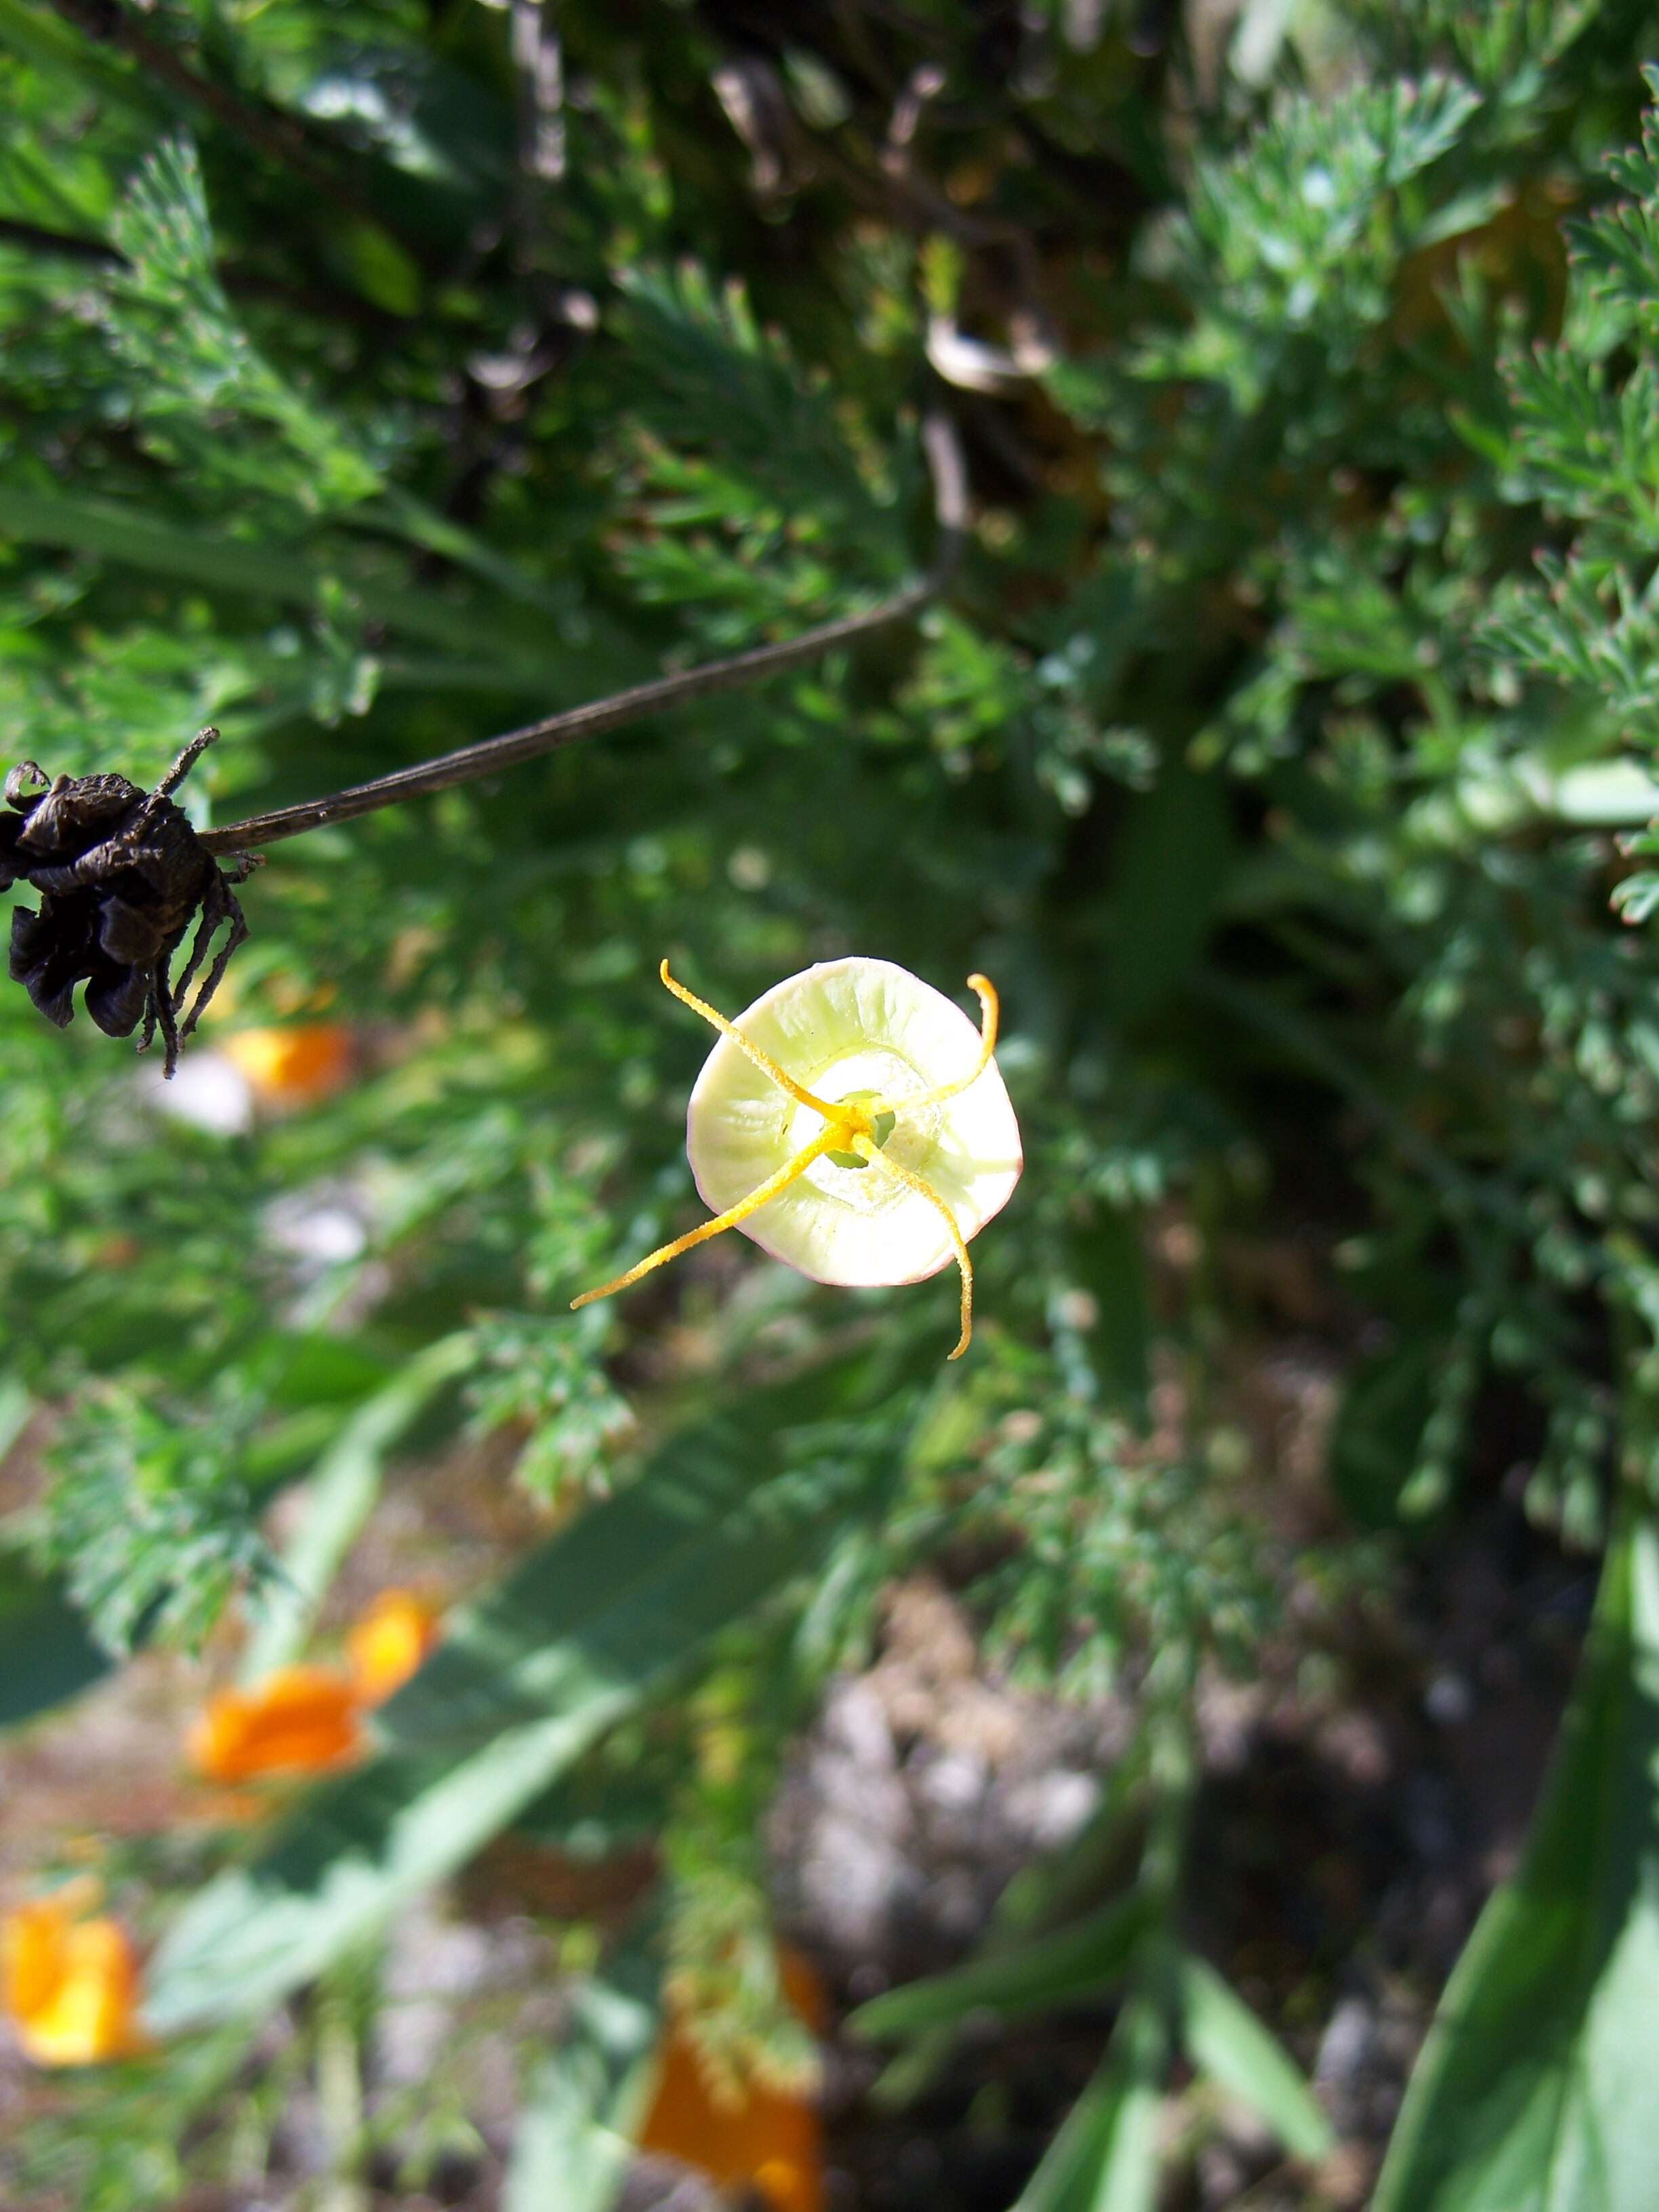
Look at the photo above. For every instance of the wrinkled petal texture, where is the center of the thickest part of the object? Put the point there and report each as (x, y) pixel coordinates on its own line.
(849, 1025)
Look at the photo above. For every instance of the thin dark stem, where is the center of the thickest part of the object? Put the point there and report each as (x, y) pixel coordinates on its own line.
(492, 755)
(69, 247)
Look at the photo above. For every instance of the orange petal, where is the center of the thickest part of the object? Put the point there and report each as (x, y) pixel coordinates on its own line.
(296, 1065)
(794, 2186)
(803, 1989)
(770, 2139)
(71, 1987)
(31, 1947)
(388, 1643)
(300, 1720)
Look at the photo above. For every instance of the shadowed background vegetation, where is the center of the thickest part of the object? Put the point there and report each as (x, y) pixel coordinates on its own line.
(380, 374)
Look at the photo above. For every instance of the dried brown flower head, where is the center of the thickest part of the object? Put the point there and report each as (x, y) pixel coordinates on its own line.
(122, 876)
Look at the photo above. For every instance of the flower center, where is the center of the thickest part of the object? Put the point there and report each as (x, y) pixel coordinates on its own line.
(878, 1126)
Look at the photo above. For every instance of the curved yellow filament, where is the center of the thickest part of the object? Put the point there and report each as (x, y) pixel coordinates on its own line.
(767, 1066)
(849, 1127)
(836, 1134)
(986, 991)
(867, 1149)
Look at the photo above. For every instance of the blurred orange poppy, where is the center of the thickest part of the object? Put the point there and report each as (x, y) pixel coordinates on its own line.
(71, 1984)
(769, 2139)
(298, 1721)
(388, 1641)
(295, 1066)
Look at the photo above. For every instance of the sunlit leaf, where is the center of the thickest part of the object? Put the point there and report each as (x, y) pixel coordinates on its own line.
(1105, 2158)
(1536, 2088)
(525, 1680)
(1223, 2039)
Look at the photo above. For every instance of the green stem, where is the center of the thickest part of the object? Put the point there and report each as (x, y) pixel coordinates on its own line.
(340, 2098)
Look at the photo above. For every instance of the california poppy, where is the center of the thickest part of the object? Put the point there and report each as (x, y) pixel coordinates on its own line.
(388, 1641)
(764, 2138)
(70, 1981)
(296, 1065)
(299, 1720)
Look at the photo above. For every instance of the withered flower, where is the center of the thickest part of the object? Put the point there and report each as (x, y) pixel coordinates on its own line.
(122, 876)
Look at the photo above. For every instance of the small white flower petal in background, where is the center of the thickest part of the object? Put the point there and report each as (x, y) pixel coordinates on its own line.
(209, 1091)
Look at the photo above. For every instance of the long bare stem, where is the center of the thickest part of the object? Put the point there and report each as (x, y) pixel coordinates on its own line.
(492, 755)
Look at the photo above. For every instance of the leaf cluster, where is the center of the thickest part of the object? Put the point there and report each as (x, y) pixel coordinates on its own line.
(1274, 752)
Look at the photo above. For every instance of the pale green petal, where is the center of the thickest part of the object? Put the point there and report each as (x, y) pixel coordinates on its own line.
(847, 1025)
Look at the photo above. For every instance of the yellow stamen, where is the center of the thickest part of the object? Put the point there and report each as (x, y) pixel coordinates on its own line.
(837, 1135)
(988, 1044)
(868, 1150)
(767, 1066)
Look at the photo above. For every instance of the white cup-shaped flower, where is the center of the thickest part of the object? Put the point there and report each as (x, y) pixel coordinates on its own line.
(853, 1124)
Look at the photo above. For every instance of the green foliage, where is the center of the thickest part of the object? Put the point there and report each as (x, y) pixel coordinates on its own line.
(201, 396)
(1533, 2087)
(1105, 2158)
(339, 1498)
(1079, 1959)
(1226, 2041)
(46, 1653)
(130, 2138)
(585, 2105)
(720, 1945)
(525, 1680)
(1283, 750)
(144, 1525)
(546, 1374)
(1300, 232)
(1106, 2153)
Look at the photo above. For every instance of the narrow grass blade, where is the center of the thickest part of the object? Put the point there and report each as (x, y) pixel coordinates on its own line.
(1537, 2088)
(1223, 2039)
(1105, 2157)
(586, 2104)
(1079, 1961)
